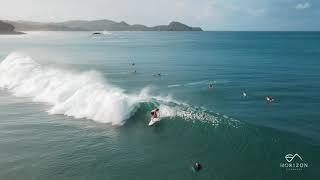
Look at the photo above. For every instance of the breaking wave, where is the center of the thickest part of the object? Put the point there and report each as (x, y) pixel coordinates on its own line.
(81, 95)
(85, 94)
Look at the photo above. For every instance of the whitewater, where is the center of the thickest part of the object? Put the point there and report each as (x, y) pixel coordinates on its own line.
(80, 95)
(87, 94)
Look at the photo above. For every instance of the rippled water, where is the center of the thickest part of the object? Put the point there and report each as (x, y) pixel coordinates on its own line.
(72, 106)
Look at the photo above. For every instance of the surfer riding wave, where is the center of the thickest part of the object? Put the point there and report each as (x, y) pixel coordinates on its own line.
(86, 94)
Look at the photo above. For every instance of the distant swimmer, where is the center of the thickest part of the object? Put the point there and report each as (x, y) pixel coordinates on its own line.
(197, 166)
(244, 94)
(159, 74)
(269, 99)
(211, 85)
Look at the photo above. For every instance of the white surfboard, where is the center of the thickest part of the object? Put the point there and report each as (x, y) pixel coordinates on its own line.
(153, 121)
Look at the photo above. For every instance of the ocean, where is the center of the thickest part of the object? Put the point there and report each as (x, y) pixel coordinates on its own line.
(77, 106)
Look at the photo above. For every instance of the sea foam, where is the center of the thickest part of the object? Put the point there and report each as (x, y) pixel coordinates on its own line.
(80, 95)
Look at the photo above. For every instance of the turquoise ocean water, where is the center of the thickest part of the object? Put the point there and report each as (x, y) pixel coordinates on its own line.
(73, 107)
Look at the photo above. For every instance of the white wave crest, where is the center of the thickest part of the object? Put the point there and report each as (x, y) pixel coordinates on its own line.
(189, 113)
(80, 95)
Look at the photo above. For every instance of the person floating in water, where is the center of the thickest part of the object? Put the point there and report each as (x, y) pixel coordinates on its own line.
(197, 166)
(155, 113)
(269, 99)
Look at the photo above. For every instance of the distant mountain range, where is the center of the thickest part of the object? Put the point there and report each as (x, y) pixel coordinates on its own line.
(6, 28)
(97, 25)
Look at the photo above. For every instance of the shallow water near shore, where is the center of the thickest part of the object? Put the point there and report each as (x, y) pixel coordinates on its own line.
(73, 107)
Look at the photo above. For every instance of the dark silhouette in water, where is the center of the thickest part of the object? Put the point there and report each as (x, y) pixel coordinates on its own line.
(197, 166)
(269, 99)
(211, 85)
(96, 33)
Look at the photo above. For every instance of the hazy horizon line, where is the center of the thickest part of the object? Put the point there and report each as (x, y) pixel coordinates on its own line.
(202, 27)
(59, 21)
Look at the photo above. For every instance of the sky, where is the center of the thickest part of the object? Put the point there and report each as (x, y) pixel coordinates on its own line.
(294, 15)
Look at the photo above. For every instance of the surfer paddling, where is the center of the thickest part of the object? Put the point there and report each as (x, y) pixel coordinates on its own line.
(269, 99)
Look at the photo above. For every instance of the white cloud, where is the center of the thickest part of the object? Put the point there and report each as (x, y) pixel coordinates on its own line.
(302, 6)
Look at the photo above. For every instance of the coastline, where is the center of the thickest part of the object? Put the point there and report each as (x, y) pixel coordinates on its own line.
(12, 33)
